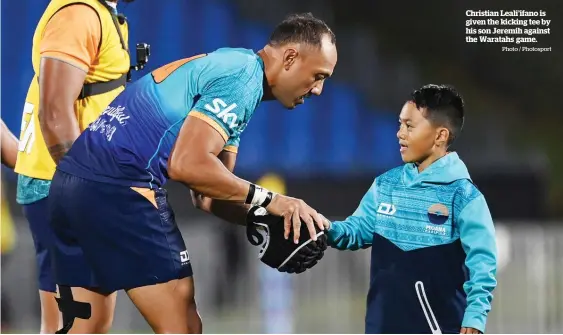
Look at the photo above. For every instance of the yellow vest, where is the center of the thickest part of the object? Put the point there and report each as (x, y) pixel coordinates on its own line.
(111, 63)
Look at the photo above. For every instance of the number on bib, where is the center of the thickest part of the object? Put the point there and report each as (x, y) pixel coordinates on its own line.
(27, 129)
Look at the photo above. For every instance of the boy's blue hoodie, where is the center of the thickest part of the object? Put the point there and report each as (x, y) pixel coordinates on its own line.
(433, 261)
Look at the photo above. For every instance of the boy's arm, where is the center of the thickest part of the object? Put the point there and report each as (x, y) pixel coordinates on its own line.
(477, 235)
(357, 230)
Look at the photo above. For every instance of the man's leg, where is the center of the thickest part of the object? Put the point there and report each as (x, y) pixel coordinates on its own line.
(100, 308)
(169, 307)
(131, 241)
(85, 308)
(159, 280)
(50, 316)
(37, 216)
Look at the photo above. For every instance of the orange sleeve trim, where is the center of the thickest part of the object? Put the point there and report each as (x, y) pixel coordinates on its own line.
(231, 148)
(67, 59)
(72, 35)
(211, 122)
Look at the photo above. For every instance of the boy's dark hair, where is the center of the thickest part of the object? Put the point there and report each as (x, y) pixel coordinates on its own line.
(301, 28)
(444, 107)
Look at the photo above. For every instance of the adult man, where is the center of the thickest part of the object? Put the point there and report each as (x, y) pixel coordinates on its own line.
(80, 59)
(113, 225)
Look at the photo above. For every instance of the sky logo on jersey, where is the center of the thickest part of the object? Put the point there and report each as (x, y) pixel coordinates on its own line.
(223, 112)
(438, 214)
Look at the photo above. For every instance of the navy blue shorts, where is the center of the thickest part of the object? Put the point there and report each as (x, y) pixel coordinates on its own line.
(112, 237)
(37, 214)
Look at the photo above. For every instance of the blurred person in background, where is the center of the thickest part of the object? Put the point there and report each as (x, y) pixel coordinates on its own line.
(9, 144)
(433, 266)
(113, 226)
(81, 60)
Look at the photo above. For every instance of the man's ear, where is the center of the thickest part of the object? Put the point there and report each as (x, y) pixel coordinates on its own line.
(289, 56)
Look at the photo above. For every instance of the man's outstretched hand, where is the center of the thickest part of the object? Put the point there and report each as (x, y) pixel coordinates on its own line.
(278, 252)
(295, 212)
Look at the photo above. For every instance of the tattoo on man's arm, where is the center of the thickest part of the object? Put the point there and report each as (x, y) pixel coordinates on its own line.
(58, 151)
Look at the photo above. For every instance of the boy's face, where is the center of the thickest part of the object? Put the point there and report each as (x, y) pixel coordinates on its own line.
(418, 138)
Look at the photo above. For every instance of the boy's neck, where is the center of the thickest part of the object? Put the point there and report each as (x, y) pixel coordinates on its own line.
(421, 166)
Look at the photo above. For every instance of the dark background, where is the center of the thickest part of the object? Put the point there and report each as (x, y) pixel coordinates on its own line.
(344, 139)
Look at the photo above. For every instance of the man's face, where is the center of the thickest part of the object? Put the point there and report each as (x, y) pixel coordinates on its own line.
(417, 136)
(303, 72)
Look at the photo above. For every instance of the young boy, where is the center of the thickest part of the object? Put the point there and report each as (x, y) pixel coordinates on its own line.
(433, 242)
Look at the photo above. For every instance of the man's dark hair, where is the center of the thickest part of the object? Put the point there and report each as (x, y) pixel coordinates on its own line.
(301, 28)
(443, 107)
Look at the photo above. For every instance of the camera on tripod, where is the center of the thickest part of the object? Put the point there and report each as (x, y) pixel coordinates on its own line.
(143, 51)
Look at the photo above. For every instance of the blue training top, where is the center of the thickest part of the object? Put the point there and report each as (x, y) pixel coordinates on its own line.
(129, 144)
(433, 264)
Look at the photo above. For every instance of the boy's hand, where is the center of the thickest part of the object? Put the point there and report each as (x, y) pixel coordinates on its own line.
(326, 222)
(465, 330)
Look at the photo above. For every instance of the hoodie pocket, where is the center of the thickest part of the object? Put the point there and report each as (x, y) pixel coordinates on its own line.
(426, 308)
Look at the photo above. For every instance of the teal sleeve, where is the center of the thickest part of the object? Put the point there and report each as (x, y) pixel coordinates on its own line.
(357, 230)
(233, 142)
(30, 190)
(477, 235)
(225, 102)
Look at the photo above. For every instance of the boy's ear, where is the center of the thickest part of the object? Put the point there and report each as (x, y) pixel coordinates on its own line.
(442, 136)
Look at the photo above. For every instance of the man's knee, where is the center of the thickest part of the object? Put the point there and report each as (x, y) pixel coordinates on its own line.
(71, 309)
(95, 316)
(50, 316)
(186, 291)
(195, 324)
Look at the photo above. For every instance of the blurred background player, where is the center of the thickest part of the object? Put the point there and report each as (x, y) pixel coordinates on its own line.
(181, 122)
(80, 60)
(433, 264)
(9, 144)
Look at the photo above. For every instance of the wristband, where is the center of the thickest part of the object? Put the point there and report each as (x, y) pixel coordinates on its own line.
(258, 196)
